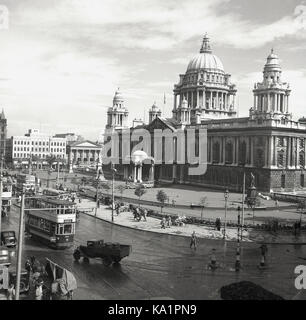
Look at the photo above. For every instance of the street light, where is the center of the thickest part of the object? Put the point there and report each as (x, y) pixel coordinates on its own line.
(226, 195)
(114, 171)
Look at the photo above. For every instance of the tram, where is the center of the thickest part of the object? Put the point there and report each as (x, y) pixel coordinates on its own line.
(60, 194)
(51, 221)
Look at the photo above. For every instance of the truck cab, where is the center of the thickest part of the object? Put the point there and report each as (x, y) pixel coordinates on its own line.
(8, 238)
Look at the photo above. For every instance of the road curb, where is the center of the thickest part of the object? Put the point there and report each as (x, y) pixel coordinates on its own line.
(167, 234)
(186, 236)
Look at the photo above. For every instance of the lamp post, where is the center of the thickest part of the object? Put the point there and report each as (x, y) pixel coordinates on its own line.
(114, 171)
(1, 189)
(226, 195)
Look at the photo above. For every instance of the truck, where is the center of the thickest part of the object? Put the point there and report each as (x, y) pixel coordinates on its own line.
(8, 238)
(109, 252)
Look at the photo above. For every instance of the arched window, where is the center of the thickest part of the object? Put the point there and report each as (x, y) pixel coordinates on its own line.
(280, 158)
(259, 158)
(229, 153)
(302, 159)
(242, 153)
(216, 152)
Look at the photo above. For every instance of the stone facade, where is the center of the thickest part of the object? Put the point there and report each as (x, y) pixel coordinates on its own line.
(268, 143)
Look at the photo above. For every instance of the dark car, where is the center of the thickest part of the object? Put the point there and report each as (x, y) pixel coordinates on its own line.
(8, 238)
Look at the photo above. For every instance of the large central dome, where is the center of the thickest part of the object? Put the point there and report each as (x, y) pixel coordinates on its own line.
(205, 59)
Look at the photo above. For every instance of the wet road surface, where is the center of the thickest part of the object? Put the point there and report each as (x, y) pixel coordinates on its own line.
(164, 265)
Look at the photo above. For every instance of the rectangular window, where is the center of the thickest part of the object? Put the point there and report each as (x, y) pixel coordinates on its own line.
(67, 229)
(60, 229)
(302, 180)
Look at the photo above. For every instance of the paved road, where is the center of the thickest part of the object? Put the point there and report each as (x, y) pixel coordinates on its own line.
(165, 266)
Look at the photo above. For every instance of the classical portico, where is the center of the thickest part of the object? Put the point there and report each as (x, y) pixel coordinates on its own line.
(83, 153)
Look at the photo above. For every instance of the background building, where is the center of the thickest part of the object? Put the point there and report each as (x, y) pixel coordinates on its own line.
(83, 153)
(268, 143)
(3, 134)
(37, 146)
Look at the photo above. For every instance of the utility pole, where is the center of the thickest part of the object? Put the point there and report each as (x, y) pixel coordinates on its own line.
(1, 190)
(226, 194)
(20, 244)
(113, 190)
(30, 163)
(57, 178)
(243, 197)
(97, 193)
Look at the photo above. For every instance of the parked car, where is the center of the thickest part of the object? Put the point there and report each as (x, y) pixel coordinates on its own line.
(24, 280)
(5, 259)
(8, 238)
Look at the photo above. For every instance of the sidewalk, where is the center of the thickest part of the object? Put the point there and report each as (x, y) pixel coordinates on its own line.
(126, 219)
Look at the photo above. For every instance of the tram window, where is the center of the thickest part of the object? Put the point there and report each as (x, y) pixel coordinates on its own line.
(53, 228)
(60, 228)
(67, 229)
(42, 223)
(47, 226)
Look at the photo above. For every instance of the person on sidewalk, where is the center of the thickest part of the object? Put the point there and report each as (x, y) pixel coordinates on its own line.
(11, 292)
(169, 222)
(193, 240)
(163, 223)
(39, 290)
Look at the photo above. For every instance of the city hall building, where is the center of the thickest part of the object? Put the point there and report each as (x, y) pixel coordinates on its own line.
(268, 143)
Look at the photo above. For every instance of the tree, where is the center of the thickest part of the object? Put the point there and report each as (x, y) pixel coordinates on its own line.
(140, 191)
(121, 189)
(51, 159)
(161, 197)
(203, 201)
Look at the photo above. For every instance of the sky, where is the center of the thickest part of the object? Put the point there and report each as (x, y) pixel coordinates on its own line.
(61, 61)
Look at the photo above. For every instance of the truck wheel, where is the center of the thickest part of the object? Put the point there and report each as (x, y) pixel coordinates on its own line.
(86, 260)
(117, 260)
(76, 255)
(106, 261)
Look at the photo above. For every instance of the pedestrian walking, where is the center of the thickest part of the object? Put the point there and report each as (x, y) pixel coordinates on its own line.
(28, 266)
(145, 212)
(169, 222)
(39, 290)
(70, 295)
(276, 203)
(163, 223)
(193, 240)
(11, 292)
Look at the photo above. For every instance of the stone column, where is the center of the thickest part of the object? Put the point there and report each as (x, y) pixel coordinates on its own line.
(237, 150)
(140, 173)
(135, 173)
(223, 144)
(151, 173)
(198, 98)
(174, 172)
(204, 99)
(211, 149)
(270, 153)
(288, 152)
(210, 100)
(192, 100)
(297, 164)
(222, 101)
(254, 101)
(252, 151)
(294, 152)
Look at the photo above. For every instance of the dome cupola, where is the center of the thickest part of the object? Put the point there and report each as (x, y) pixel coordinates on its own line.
(205, 60)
